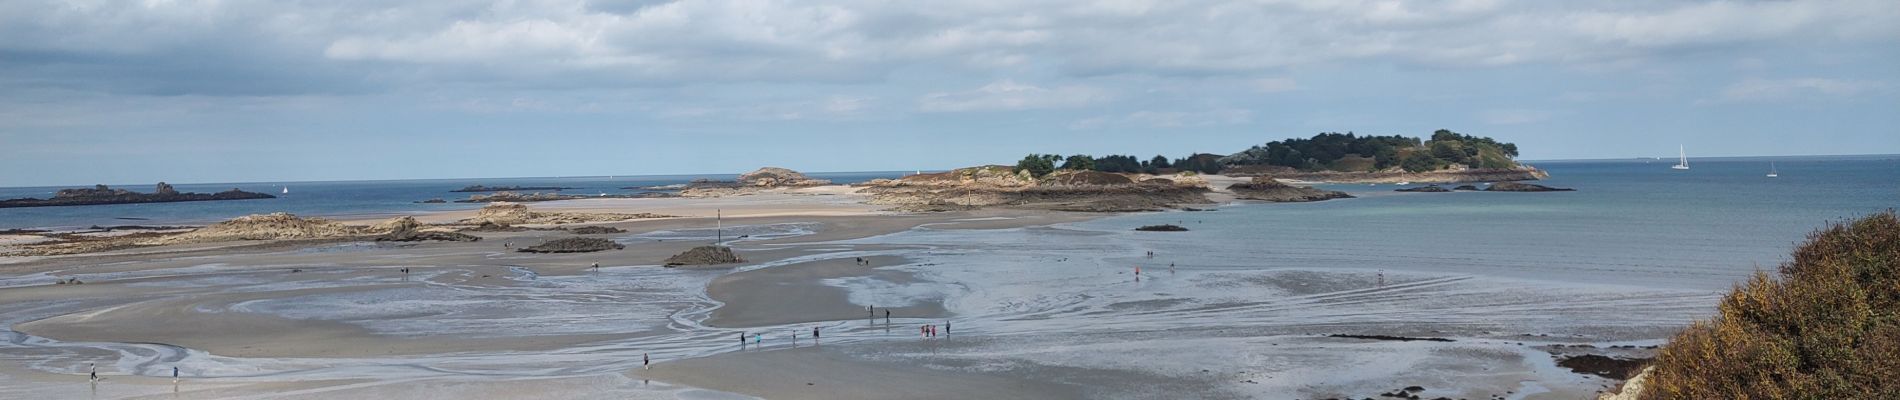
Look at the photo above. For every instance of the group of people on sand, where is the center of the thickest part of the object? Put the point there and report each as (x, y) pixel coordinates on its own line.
(93, 375)
(862, 262)
(930, 330)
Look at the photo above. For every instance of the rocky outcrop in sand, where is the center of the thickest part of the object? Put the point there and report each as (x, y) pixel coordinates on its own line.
(506, 214)
(1267, 189)
(101, 194)
(406, 229)
(274, 226)
(596, 230)
(705, 255)
(573, 245)
(1523, 187)
(1465, 188)
(996, 185)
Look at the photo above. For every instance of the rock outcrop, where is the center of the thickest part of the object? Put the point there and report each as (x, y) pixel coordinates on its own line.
(705, 255)
(481, 188)
(573, 245)
(1465, 188)
(996, 185)
(506, 214)
(1162, 228)
(1265, 188)
(100, 194)
(274, 226)
(1523, 187)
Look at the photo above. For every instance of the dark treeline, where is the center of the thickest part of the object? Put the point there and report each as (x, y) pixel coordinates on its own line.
(1325, 151)
(1043, 164)
(1350, 152)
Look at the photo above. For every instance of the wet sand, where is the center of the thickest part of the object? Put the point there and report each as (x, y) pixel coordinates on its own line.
(1041, 310)
(794, 293)
(820, 372)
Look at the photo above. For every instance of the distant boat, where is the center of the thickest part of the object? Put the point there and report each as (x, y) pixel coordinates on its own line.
(1771, 170)
(1405, 183)
(1684, 154)
(286, 190)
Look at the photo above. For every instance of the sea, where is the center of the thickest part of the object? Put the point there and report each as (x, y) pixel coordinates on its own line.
(329, 198)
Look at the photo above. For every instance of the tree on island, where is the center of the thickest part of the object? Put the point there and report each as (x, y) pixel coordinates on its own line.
(1079, 162)
(1038, 164)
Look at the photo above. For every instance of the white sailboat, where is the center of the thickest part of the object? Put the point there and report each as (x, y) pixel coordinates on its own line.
(1771, 170)
(286, 190)
(1684, 164)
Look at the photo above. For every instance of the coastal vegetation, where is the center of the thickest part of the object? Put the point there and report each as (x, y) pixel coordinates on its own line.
(1332, 151)
(1350, 152)
(1828, 328)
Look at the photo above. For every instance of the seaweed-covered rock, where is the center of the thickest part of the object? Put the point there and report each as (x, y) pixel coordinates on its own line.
(573, 245)
(1523, 187)
(1465, 187)
(1267, 189)
(596, 230)
(705, 255)
(421, 236)
(1162, 228)
(1426, 189)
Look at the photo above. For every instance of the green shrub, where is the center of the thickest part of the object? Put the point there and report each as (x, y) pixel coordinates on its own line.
(1829, 328)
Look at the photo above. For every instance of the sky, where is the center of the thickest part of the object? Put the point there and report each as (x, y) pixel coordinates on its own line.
(264, 91)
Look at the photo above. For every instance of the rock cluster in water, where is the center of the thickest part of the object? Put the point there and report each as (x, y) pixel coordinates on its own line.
(1426, 189)
(1523, 187)
(1162, 228)
(1265, 188)
(101, 194)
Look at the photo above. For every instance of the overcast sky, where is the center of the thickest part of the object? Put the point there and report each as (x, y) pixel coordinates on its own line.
(219, 91)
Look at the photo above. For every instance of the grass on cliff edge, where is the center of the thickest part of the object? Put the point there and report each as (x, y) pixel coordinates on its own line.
(1828, 328)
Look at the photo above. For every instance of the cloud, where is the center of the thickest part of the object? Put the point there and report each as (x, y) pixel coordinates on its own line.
(1758, 89)
(1275, 85)
(1167, 119)
(1008, 95)
(252, 48)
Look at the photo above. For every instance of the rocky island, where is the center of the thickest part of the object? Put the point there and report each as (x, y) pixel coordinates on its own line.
(766, 178)
(101, 194)
(1446, 157)
(480, 188)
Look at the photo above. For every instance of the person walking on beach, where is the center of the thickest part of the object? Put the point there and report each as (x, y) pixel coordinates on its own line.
(174, 375)
(887, 315)
(814, 334)
(95, 372)
(645, 362)
(596, 267)
(742, 340)
(946, 327)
